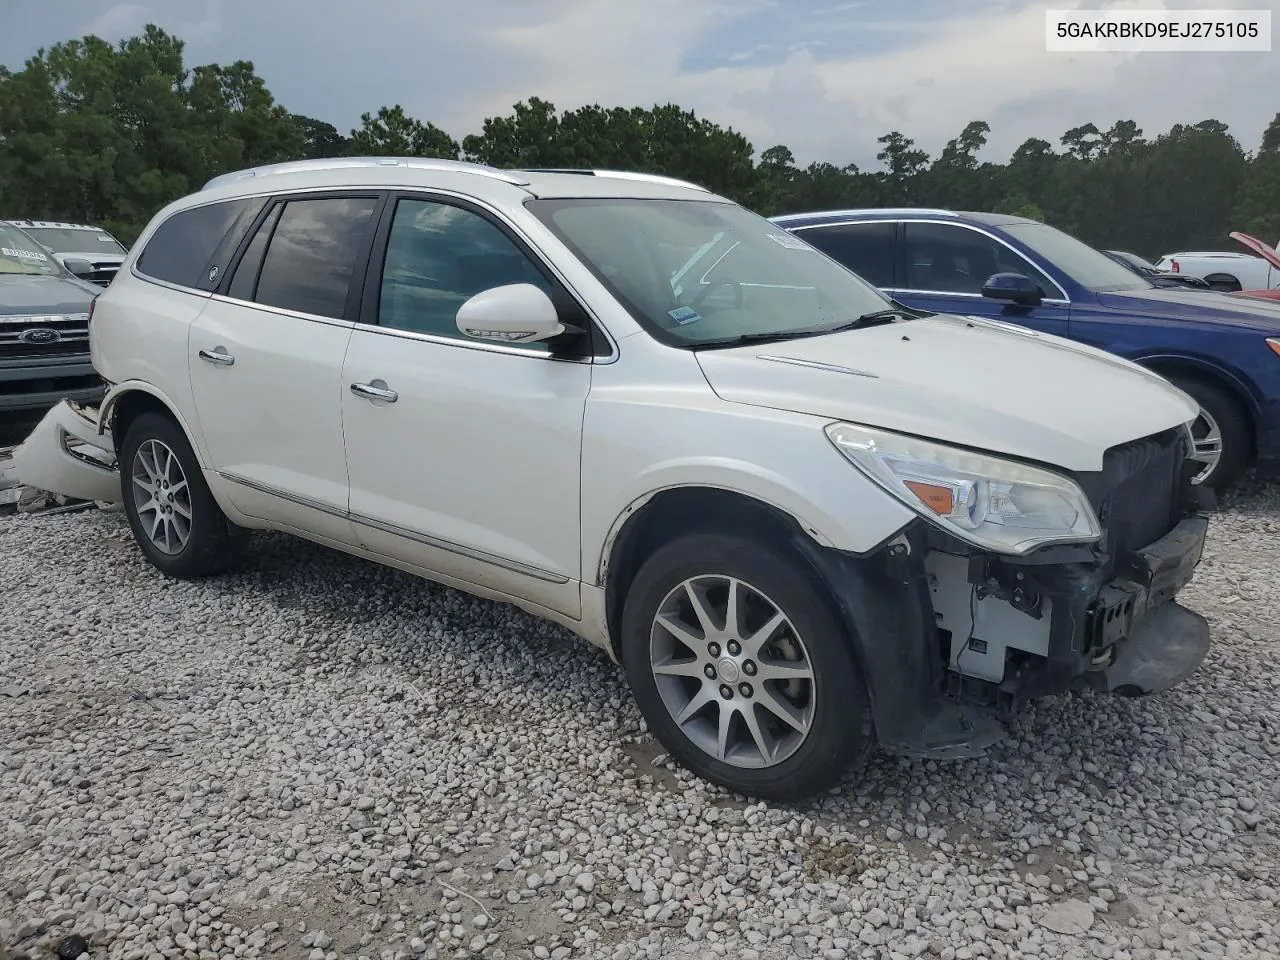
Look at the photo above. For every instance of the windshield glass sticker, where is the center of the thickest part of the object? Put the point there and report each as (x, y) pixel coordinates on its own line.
(789, 241)
(684, 315)
(22, 254)
(103, 238)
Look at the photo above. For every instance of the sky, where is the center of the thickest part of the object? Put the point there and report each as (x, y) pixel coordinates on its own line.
(824, 77)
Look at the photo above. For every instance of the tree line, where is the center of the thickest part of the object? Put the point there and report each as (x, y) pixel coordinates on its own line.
(107, 134)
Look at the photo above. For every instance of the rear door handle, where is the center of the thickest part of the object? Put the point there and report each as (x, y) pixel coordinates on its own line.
(375, 390)
(218, 355)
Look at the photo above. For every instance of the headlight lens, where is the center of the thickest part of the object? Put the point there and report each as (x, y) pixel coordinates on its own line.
(996, 504)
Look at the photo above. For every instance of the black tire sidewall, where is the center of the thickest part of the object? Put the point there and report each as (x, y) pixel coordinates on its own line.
(211, 546)
(1231, 421)
(841, 734)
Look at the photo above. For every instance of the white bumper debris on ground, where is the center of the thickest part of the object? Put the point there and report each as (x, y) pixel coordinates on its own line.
(317, 757)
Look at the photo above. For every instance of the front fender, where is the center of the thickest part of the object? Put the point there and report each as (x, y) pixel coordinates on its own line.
(840, 510)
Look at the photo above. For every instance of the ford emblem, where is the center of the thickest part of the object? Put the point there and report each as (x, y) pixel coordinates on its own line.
(40, 335)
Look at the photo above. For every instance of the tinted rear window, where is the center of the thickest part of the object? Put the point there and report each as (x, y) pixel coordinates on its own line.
(312, 255)
(865, 248)
(180, 249)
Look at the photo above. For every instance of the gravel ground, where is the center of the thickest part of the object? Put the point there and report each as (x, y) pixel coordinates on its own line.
(317, 757)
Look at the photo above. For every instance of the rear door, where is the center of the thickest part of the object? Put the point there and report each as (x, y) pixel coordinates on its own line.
(265, 361)
(868, 247)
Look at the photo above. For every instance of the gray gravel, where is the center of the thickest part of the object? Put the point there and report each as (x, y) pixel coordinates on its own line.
(316, 757)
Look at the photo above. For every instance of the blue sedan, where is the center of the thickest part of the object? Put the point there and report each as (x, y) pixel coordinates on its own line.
(1222, 349)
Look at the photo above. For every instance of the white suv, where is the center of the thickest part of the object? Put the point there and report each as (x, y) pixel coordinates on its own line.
(804, 518)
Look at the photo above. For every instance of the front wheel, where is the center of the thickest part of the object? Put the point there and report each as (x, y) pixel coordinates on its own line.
(174, 518)
(741, 670)
(1220, 432)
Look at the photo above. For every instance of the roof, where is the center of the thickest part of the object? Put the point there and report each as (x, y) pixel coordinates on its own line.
(819, 217)
(430, 172)
(54, 224)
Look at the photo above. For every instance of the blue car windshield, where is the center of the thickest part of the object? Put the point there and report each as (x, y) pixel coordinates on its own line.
(1088, 267)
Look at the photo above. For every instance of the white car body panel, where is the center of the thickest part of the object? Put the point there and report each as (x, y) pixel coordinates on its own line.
(486, 446)
(271, 422)
(1253, 272)
(964, 382)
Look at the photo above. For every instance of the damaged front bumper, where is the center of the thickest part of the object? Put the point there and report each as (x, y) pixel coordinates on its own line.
(953, 644)
(67, 454)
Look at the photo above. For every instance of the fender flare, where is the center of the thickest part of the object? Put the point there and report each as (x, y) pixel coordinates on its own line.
(1237, 383)
(117, 392)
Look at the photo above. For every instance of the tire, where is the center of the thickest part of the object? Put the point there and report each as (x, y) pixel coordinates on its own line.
(1221, 409)
(833, 701)
(1223, 282)
(212, 545)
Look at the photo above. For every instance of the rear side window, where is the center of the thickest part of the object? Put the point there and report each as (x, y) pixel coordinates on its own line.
(181, 248)
(311, 256)
(865, 248)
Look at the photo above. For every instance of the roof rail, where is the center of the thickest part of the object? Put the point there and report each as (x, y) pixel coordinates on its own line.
(347, 163)
(860, 211)
(619, 175)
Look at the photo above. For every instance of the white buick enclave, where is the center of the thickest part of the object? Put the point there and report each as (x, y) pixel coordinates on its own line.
(803, 517)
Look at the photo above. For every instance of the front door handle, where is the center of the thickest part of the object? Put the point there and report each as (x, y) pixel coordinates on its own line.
(375, 390)
(218, 355)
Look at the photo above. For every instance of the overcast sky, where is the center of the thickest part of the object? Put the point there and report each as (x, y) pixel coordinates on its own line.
(825, 77)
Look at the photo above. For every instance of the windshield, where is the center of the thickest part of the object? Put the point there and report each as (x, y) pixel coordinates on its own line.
(1088, 267)
(696, 272)
(21, 254)
(61, 240)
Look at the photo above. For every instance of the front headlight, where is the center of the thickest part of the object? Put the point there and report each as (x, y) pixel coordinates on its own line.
(996, 504)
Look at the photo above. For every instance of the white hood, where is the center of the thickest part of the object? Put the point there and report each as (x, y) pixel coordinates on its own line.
(962, 380)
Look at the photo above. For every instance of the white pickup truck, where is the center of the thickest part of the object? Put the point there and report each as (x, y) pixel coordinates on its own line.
(1229, 271)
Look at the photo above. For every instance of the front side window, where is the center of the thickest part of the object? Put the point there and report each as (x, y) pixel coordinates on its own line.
(706, 272)
(312, 255)
(64, 240)
(181, 247)
(948, 258)
(438, 257)
(20, 253)
(865, 248)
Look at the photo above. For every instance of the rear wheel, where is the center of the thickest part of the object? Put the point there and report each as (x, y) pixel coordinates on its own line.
(1221, 434)
(741, 670)
(1223, 282)
(174, 518)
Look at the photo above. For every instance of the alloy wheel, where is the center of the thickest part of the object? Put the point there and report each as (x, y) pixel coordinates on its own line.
(732, 671)
(1207, 435)
(161, 496)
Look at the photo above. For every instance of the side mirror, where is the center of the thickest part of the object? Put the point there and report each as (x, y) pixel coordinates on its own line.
(1014, 287)
(515, 313)
(79, 267)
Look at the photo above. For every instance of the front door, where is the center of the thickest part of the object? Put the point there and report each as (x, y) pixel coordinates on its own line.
(943, 266)
(266, 364)
(463, 455)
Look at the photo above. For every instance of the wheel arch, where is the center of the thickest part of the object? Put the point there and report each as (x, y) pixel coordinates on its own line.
(1223, 278)
(653, 519)
(1174, 366)
(126, 401)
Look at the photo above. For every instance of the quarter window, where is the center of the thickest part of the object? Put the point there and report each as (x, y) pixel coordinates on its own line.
(865, 248)
(438, 257)
(944, 258)
(311, 257)
(180, 249)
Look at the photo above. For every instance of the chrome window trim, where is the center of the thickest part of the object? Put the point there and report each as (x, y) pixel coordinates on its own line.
(1064, 299)
(611, 357)
(395, 530)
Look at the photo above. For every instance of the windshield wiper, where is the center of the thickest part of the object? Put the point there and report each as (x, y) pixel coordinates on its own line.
(873, 319)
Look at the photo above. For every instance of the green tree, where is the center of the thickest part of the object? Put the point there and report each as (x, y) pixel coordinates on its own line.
(904, 165)
(393, 133)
